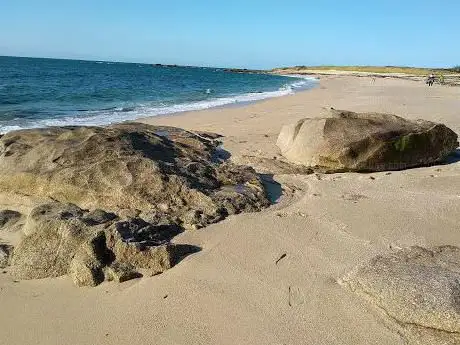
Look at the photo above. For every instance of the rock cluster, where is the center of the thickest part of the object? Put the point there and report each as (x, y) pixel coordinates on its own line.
(116, 196)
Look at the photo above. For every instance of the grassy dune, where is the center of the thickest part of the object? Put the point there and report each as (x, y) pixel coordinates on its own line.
(369, 69)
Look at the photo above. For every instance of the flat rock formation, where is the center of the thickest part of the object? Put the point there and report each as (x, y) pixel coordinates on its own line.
(165, 174)
(348, 141)
(115, 197)
(417, 289)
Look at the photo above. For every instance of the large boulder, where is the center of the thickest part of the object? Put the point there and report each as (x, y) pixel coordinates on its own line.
(93, 246)
(130, 169)
(348, 141)
(418, 289)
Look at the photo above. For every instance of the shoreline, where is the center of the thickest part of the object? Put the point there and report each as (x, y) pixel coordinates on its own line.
(234, 291)
(228, 121)
(235, 105)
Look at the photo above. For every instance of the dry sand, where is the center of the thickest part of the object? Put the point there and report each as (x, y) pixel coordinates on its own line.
(233, 291)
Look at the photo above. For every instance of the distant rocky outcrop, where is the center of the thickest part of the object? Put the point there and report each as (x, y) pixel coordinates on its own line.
(348, 141)
(116, 197)
(245, 70)
(418, 291)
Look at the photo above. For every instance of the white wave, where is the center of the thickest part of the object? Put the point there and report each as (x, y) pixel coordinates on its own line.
(121, 114)
(7, 128)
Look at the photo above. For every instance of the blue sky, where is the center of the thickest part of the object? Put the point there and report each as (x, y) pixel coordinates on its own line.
(237, 33)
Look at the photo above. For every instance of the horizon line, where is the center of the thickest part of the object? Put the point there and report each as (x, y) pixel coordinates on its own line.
(204, 66)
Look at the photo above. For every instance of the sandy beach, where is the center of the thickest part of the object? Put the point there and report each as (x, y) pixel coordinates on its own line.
(270, 277)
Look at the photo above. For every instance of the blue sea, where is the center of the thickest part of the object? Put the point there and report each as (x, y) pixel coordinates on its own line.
(51, 92)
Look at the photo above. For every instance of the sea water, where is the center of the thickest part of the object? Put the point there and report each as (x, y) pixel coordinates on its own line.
(38, 92)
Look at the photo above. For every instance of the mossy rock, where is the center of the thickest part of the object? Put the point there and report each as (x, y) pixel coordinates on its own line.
(348, 141)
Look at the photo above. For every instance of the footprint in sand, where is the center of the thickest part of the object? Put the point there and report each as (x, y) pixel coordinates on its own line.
(353, 197)
(296, 296)
(285, 214)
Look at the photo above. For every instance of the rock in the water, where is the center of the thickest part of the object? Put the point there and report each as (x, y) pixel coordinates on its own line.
(8, 218)
(418, 288)
(128, 168)
(5, 251)
(348, 141)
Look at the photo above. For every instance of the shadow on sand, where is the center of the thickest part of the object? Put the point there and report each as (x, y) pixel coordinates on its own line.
(273, 189)
(454, 157)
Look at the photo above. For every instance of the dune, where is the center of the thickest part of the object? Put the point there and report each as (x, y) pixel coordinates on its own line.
(271, 277)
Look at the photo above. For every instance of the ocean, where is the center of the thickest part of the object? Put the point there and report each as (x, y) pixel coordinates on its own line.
(38, 92)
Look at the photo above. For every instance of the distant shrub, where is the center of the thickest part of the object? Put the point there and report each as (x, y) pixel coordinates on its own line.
(441, 79)
(456, 69)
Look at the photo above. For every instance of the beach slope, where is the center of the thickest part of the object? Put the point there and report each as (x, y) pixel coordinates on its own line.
(271, 277)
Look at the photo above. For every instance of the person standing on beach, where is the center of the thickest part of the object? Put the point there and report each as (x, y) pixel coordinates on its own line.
(430, 80)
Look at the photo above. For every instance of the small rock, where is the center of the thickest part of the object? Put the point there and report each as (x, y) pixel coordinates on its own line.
(280, 258)
(8, 218)
(121, 272)
(97, 217)
(86, 267)
(5, 251)
(85, 271)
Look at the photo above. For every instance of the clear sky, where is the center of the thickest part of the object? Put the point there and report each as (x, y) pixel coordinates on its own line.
(236, 33)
